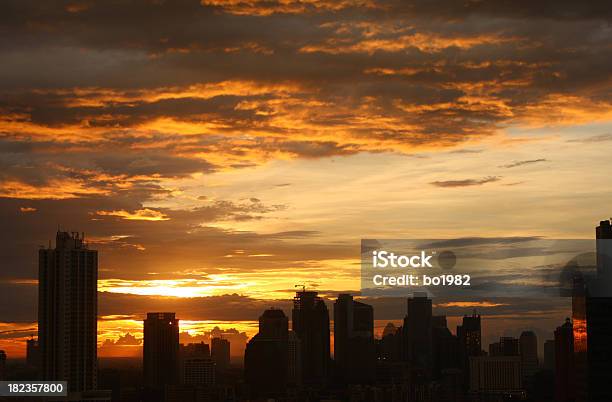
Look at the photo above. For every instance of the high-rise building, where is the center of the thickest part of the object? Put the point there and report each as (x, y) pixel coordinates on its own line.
(528, 347)
(592, 324)
(417, 332)
(469, 336)
(274, 324)
(603, 241)
(310, 322)
(266, 359)
(220, 353)
(599, 320)
(2, 365)
(354, 349)
(564, 363)
(161, 350)
(67, 312)
(549, 354)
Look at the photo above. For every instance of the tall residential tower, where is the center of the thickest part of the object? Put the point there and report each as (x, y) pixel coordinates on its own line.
(67, 311)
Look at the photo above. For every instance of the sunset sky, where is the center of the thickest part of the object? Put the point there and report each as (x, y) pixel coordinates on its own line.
(217, 153)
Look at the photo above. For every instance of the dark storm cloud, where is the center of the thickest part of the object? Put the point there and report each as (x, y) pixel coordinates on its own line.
(129, 114)
(465, 182)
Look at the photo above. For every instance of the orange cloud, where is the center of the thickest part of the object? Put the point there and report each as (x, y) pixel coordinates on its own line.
(265, 8)
(471, 304)
(429, 43)
(55, 189)
(145, 214)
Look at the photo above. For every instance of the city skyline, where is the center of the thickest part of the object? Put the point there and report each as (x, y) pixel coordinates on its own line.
(420, 357)
(217, 154)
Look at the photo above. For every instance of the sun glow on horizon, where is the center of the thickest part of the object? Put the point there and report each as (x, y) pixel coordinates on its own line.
(172, 287)
(262, 282)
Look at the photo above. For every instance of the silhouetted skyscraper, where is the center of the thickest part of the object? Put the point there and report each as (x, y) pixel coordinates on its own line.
(160, 350)
(469, 341)
(67, 312)
(564, 363)
(354, 351)
(603, 241)
(417, 332)
(266, 356)
(528, 346)
(599, 320)
(310, 321)
(220, 353)
(592, 324)
(274, 324)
